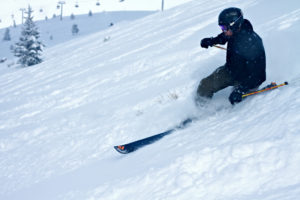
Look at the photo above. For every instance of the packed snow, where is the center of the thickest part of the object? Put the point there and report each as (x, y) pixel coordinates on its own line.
(60, 119)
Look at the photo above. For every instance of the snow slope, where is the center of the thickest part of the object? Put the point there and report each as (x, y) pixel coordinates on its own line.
(60, 119)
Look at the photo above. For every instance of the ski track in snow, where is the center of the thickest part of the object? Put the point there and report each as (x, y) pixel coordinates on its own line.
(59, 120)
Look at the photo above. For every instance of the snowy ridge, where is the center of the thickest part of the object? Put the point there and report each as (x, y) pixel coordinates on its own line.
(59, 120)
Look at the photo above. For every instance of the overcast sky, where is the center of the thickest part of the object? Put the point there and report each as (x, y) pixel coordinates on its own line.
(10, 9)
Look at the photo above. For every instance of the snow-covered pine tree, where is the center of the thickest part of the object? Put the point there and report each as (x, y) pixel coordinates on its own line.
(29, 48)
(75, 29)
(6, 35)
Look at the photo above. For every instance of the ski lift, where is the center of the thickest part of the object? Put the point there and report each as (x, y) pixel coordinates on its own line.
(76, 5)
(98, 3)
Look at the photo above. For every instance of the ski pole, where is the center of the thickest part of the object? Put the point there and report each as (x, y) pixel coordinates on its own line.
(220, 47)
(266, 89)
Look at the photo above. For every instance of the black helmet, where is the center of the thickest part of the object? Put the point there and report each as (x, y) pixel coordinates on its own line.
(232, 18)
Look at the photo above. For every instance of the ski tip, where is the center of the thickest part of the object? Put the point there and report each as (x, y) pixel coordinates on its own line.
(120, 149)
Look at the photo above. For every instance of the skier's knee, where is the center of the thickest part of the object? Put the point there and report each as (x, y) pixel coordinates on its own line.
(204, 88)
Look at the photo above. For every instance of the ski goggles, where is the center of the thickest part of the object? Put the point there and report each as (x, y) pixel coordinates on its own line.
(224, 28)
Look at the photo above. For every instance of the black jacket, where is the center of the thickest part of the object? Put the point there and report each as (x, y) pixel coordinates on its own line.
(245, 60)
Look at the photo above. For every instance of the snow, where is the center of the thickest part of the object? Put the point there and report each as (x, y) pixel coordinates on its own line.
(59, 120)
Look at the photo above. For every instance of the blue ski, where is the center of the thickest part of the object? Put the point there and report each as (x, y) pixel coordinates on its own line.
(133, 146)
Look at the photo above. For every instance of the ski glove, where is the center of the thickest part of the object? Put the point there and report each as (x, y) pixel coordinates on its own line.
(207, 42)
(235, 97)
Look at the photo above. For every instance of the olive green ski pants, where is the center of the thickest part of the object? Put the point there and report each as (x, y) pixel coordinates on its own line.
(218, 80)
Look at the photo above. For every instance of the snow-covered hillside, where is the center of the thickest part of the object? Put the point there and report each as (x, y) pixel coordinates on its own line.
(54, 31)
(59, 120)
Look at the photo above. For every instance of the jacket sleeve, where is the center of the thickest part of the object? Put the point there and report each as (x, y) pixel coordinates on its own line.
(220, 39)
(253, 62)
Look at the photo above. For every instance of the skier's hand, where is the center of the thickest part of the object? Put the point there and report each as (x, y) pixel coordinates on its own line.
(235, 97)
(207, 42)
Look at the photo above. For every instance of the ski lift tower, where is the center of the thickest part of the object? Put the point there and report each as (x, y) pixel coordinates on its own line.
(61, 8)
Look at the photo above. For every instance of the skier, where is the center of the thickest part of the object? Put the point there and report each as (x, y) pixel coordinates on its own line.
(245, 67)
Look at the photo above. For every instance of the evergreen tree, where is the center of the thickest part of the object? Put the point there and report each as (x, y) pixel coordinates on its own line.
(72, 16)
(29, 48)
(7, 35)
(90, 13)
(75, 29)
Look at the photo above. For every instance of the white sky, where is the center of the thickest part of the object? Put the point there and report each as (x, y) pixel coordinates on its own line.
(49, 7)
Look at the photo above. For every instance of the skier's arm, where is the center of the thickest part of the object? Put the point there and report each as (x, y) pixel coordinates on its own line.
(209, 42)
(253, 59)
(220, 39)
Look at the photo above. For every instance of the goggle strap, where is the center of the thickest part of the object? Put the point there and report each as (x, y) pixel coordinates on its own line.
(232, 23)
